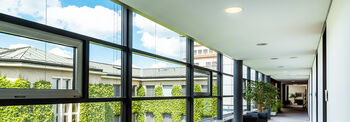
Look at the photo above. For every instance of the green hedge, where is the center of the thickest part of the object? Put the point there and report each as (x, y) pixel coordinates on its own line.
(25, 113)
(105, 111)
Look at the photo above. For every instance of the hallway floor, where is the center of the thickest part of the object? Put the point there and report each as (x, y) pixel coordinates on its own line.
(293, 114)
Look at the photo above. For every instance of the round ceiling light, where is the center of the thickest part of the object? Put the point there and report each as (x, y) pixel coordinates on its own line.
(233, 10)
(261, 44)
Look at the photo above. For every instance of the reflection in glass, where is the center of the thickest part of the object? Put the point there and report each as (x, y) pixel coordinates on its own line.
(31, 64)
(159, 110)
(84, 112)
(227, 85)
(154, 38)
(153, 77)
(201, 83)
(105, 71)
(204, 109)
(207, 60)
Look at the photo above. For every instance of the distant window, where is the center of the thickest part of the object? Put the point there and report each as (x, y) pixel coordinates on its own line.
(196, 63)
(183, 90)
(211, 52)
(195, 52)
(207, 64)
(199, 52)
(205, 51)
(166, 117)
(116, 90)
(167, 90)
(204, 88)
(150, 91)
(149, 117)
(134, 90)
(214, 63)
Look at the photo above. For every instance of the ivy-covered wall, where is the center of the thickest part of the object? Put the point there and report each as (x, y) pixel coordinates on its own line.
(28, 113)
(105, 111)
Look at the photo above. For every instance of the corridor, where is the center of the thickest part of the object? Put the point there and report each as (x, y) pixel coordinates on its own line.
(293, 114)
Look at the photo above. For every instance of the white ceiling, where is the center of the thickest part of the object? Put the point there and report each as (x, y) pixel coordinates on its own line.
(290, 27)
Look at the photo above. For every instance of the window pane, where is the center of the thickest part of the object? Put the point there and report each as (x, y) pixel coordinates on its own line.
(215, 84)
(33, 10)
(201, 83)
(159, 110)
(227, 107)
(227, 85)
(97, 18)
(31, 64)
(252, 74)
(244, 70)
(105, 70)
(227, 65)
(151, 75)
(207, 60)
(86, 112)
(204, 109)
(154, 38)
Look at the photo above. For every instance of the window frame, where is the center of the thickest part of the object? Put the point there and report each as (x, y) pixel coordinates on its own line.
(77, 45)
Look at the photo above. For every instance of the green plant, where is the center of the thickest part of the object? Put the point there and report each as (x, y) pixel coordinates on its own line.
(263, 94)
(293, 96)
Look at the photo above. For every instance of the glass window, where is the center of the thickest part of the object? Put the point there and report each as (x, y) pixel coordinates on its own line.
(227, 107)
(183, 90)
(252, 74)
(160, 110)
(227, 65)
(30, 10)
(105, 71)
(227, 85)
(71, 112)
(205, 59)
(244, 70)
(98, 18)
(201, 82)
(215, 83)
(158, 73)
(205, 51)
(205, 109)
(167, 90)
(154, 38)
(199, 52)
(28, 64)
(195, 52)
(150, 91)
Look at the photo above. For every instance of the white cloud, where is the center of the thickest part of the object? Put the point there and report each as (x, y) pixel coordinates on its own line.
(61, 52)
(159, 65)
(13, 46)
(98, 21)
(159, 38)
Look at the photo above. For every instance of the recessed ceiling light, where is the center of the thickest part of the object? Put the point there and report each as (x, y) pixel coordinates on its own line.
(294, 57)
(261, 44)
(273, 58)
(233, 10)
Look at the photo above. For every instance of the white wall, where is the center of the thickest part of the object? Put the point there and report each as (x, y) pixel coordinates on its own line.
(313, 90)
(320, 82)
(338, 61)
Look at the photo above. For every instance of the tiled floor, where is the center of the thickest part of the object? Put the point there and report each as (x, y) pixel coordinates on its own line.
(291, 115)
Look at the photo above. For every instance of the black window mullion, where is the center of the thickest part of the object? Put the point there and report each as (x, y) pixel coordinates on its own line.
(189, 80)
(219, 86)
(126, 110)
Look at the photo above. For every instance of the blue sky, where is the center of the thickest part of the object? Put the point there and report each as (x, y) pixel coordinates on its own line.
(99, 19)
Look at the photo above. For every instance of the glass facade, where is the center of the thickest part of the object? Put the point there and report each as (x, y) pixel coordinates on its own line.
(160, 66)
